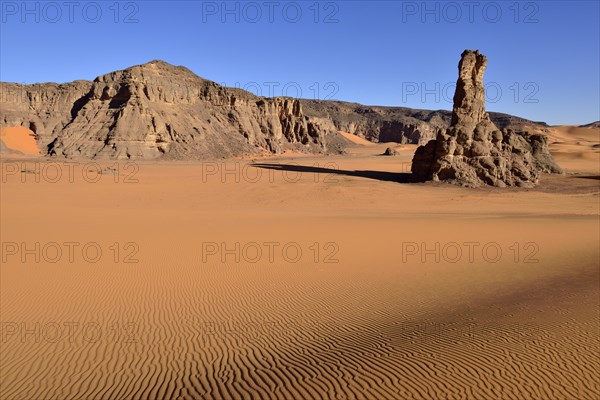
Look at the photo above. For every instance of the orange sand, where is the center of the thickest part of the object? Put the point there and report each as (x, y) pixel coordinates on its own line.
(19, 139)
(365, 317)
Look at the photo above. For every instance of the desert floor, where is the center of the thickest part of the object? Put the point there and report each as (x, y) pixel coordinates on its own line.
(298, 277)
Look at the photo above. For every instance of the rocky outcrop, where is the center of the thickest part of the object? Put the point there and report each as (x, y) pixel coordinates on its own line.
(159, 110)
(593, 125)
(45, 109)
(376, 124)
(397, 124)
(473, 151)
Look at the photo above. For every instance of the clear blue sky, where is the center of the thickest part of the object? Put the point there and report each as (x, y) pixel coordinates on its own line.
(543, 55)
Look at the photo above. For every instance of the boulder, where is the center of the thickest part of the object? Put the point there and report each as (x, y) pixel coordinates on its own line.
(390, 152)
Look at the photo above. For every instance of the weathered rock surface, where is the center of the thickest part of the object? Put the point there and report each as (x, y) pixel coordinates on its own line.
(157, 110)
(396, 124)
(473, 151)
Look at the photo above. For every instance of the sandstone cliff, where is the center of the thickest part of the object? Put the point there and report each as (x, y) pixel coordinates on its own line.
(157, 110)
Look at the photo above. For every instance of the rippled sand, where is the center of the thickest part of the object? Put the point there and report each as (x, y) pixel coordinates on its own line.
(383, 291)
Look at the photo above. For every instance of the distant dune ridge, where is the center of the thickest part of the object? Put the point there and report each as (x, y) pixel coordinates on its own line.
(473, 151)
(157, 110)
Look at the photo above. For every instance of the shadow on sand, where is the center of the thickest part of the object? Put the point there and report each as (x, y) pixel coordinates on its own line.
(399, 177)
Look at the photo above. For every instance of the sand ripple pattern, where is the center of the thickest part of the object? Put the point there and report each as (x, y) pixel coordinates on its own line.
(225, 332)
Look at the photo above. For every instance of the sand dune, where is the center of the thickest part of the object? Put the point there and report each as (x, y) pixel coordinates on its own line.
(576, 148)
(358, 316)
(356, 139)
(20, 140)
(569, 134)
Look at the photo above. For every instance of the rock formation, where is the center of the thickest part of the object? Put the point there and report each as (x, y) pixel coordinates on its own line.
(397, 124)
(157, 110)
(473, 151)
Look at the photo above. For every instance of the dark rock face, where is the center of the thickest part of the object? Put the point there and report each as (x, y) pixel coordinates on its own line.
(473, 151)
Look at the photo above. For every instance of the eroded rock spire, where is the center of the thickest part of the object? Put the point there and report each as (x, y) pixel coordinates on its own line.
(473, 151)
